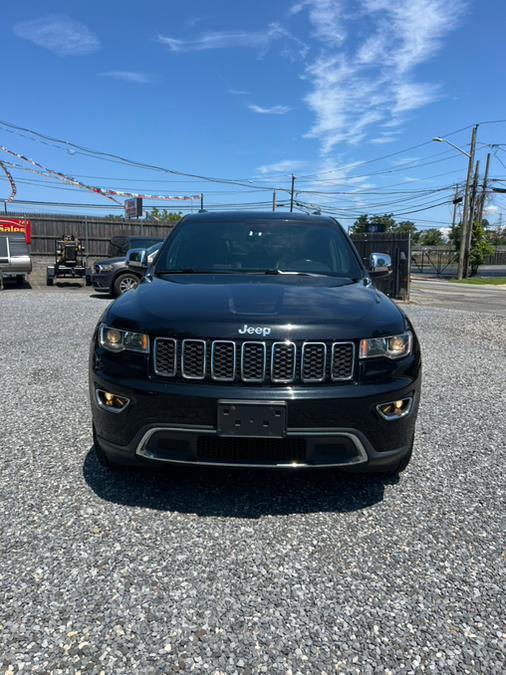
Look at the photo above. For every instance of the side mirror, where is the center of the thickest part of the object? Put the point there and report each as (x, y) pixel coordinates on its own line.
(380, 264)
(137, 258)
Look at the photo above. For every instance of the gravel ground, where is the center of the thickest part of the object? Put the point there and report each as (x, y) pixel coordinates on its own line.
(215, 572)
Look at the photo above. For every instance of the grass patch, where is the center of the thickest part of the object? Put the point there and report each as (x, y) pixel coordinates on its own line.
(479, 281)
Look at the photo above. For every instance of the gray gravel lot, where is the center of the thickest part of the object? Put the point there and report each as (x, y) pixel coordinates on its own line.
(225, 572)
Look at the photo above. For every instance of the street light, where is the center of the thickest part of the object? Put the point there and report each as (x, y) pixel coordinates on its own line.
(467, 225)
(438, 139)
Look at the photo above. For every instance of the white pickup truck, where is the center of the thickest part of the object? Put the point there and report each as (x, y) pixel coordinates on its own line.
(15, 261)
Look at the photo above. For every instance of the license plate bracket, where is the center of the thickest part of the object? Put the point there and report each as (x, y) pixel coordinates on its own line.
(261, 419)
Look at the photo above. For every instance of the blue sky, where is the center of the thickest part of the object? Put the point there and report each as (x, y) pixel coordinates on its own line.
(256, 90)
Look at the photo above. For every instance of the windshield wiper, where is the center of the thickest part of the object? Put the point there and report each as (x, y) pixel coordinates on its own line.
(189, 270)
(299, 274)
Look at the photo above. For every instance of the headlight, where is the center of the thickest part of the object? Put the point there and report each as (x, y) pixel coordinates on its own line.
(116, 340)
(105, 268)
(393, 347)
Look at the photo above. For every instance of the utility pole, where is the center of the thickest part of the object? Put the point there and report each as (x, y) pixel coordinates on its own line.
(201, 201)
(472, 209)
(456, 202)
(465, 219)
(483, 195)
(292, 193)
(274, 200)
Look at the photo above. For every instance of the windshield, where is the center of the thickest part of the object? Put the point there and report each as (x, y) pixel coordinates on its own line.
(259, 247)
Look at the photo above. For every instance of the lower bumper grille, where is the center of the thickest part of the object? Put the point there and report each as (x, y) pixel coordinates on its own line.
(251, 450)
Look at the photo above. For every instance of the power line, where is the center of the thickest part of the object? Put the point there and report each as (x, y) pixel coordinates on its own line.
(108, 156)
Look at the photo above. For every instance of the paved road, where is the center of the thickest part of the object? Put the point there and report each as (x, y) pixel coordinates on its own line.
(220, 572)
(481, 299)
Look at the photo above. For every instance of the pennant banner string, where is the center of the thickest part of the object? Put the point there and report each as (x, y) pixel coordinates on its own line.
(105, 192)
(11, 181)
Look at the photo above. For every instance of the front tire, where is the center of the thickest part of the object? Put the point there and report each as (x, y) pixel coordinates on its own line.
(124, 282)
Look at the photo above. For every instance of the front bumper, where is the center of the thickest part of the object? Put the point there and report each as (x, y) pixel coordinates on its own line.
(101, 281)
(326, 426)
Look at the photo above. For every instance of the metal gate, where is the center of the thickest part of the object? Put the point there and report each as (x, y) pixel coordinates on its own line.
(398, 247)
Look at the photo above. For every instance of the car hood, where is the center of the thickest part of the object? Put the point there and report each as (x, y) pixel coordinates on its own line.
(111, 261)
(227, 306)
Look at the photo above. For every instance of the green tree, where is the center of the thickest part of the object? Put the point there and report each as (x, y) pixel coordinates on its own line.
(387, 221)
(481, 245)
(359, 226)
(164, 217)
(408, 227)
(431, 237)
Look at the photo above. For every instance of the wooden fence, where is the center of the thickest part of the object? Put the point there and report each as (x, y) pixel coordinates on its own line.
(94, 232)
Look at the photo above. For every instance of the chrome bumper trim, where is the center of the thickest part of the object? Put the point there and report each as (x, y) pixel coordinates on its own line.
(362, 456)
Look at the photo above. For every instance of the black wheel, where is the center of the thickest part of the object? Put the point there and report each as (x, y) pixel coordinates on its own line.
(101, 456)
(124, 282)
(20, 279)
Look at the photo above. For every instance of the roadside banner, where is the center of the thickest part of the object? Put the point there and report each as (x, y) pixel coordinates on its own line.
(17, 226)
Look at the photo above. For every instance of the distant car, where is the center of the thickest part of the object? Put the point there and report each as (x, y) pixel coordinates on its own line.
(15, 261)
(112, 274)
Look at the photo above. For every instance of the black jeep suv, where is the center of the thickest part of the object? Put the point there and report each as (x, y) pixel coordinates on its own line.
(256, 339)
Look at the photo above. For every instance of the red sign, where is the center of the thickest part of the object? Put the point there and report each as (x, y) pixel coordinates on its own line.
(17, 225)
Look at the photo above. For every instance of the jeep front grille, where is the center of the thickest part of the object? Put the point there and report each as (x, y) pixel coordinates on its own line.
(254, 362)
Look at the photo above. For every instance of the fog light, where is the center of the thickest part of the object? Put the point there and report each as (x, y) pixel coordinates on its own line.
(394, 410)
(111, 402)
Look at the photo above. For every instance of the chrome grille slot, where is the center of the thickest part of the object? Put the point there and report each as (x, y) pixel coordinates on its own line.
(253, 358)
(165, 362)
(314, 361)
(283, 361)
(251, 361)
(342, 360)
(223, 359)
(193, 359)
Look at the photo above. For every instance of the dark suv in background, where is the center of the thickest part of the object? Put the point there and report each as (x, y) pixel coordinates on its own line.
(256, 339)
(112, 274)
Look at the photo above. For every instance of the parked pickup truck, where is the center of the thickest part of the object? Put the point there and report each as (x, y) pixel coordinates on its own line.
(112, 275)
(15, 261)
(256, 340)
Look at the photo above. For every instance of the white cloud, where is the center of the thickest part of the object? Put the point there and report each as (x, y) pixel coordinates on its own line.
(400, 161)
(239, 92)
(326, 17)
(129, 76)
(384, 138)
(271, 110)
(60, 34)
(284, 166)
(356, 87)
(412, 95)
(194, 20)
(292, 47)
